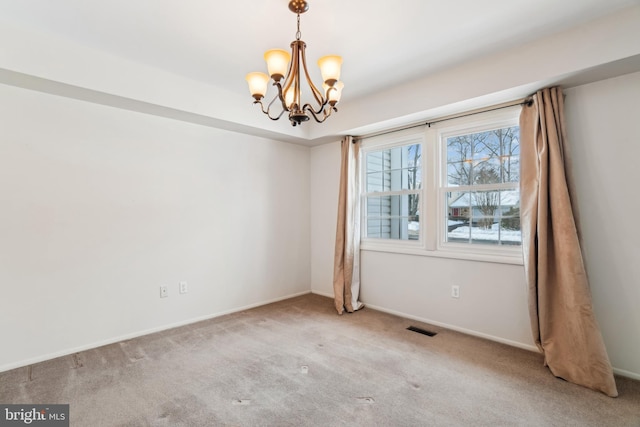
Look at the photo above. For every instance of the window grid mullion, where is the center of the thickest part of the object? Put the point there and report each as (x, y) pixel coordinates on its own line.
(486, 205)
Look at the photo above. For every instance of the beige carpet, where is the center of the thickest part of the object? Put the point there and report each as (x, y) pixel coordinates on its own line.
(297, 363)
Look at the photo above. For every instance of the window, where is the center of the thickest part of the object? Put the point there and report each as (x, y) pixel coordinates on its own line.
(451, 190)
(393, 182)
(481, 186)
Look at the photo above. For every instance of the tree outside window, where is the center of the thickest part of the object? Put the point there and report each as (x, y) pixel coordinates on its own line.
(483, 173)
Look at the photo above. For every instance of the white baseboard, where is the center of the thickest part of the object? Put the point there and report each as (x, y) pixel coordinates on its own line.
(7, 367)
(445, 325)
(617, 371)
(457, 329)
(322, 294)
(628, 374)
(125, 337)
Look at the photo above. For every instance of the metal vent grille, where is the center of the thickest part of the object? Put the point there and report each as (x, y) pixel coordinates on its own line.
(422, 331)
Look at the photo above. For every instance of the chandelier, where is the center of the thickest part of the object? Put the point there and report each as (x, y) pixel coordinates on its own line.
(284, 70)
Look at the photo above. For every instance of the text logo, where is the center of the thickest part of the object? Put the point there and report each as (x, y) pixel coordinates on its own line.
(34, 415)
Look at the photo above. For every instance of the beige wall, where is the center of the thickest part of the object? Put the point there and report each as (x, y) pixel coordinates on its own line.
(492, 299)
(100, 206)
(604, 136)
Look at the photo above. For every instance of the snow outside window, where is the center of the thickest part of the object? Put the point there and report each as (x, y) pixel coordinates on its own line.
(481, 187)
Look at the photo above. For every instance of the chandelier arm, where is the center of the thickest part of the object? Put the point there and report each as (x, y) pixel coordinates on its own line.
(267, 111)
(315, 117)
(316, 93)
(325, 112)
(280, 95)
(309, 107)
(291, 78)
(276, 118)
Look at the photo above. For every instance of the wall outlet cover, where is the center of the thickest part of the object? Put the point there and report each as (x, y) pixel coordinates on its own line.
(183, 287)
(455, 291)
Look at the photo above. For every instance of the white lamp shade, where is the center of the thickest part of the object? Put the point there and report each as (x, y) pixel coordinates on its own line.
(330, 68)
(277, 62)
(335, 93)
(257, 84)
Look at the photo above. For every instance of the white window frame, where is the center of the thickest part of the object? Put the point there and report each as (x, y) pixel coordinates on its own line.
(381, 144)
(433, 205)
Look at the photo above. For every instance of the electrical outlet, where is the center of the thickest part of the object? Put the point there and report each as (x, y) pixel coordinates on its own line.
(183, 287)
(455, 291)
(164, 291)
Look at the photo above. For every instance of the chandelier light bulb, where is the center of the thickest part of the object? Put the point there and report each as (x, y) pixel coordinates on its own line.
(288, 97)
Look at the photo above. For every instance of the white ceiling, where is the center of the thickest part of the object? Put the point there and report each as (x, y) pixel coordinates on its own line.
(383, 43)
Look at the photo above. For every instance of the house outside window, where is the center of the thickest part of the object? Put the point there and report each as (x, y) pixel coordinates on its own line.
(450, 190)
(481, 186)
(393, 185)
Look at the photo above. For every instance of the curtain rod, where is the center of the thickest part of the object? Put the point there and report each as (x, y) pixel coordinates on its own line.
(524, 101)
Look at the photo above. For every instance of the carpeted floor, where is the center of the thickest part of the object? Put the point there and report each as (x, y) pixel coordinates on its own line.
(297, 363)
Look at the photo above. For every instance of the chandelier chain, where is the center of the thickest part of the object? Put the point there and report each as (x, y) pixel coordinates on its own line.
(298, 33)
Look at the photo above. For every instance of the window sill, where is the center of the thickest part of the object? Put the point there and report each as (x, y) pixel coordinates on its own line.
(514, 258)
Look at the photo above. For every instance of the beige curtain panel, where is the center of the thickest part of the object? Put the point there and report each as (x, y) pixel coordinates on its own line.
(346, 266)
(562, 319)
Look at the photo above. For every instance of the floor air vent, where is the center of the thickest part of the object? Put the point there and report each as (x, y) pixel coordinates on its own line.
(422, 331)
